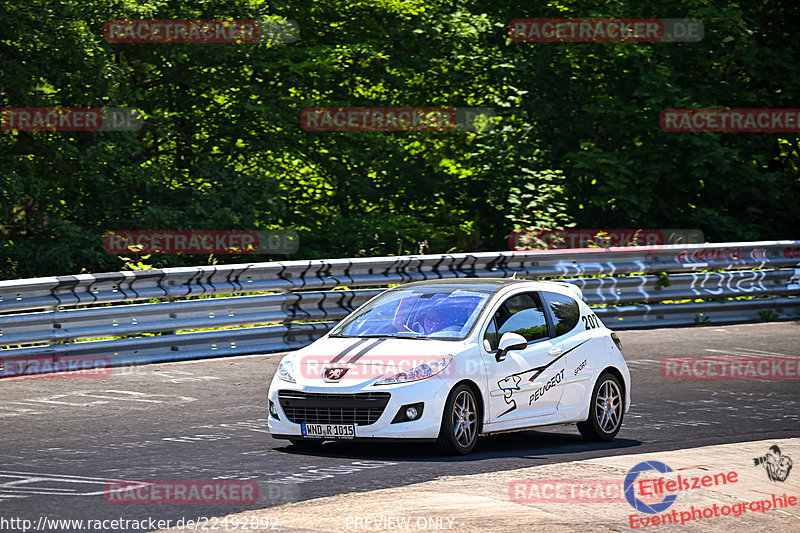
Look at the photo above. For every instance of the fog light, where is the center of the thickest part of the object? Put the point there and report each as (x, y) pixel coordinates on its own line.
(273, 410)
(408, 412)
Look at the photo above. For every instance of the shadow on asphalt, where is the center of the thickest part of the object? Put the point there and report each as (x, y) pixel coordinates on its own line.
(528, 444)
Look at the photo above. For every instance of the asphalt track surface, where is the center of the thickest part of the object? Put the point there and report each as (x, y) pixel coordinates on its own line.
(62, 440)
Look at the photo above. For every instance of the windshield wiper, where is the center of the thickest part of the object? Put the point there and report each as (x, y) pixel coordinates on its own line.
(386, 335)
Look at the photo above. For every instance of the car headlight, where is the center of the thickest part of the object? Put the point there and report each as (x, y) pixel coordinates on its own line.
(285, 371)
(423, 371)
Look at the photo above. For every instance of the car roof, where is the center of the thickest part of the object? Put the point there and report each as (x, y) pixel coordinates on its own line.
(484, 284)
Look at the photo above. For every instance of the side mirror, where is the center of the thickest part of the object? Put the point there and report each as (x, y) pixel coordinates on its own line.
(509, 341)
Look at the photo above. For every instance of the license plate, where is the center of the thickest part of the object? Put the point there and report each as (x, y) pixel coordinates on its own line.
(329, 431)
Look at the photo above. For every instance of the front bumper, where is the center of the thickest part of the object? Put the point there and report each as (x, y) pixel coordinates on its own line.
(432, 392)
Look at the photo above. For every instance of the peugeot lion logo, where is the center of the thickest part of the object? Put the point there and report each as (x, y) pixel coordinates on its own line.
(333, 374)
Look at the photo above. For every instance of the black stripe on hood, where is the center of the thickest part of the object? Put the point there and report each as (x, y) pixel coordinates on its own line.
(348, 349)
(361, 352)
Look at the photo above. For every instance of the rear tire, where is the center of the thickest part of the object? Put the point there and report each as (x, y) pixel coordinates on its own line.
(460, 423)
(606, 410)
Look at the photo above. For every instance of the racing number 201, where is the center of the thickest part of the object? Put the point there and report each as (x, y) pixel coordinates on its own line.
(590, 322)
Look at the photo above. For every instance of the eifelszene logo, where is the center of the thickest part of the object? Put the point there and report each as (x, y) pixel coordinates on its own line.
(630, 494)
(776, 464)
(667, 487)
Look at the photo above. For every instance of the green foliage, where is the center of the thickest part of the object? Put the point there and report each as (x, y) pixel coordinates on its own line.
(701, 318)
(532, 333)
(577, 141)
(768, 315)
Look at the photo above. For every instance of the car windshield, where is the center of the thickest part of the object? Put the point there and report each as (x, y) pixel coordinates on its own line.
(419, 312)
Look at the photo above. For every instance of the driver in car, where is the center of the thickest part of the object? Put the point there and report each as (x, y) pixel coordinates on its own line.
(441, 318)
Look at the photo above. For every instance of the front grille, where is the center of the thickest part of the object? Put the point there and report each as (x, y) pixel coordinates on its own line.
(362, 409)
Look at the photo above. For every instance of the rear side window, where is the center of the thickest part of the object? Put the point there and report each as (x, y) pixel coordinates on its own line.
(522, 314)
(566, 312)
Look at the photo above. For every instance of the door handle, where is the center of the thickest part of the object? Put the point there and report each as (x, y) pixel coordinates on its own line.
(555, 351)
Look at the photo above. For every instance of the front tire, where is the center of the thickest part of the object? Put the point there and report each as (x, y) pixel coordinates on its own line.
(459, 431)
(605, 410)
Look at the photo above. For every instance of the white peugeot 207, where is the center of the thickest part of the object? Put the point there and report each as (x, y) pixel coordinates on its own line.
(449, 360)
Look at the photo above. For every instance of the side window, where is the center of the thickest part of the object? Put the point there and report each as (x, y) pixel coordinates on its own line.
(491, 336)
(522, 314)
(566, 312)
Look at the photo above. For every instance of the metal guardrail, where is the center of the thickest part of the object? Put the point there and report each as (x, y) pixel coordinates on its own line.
(173, 283)
(43, 317)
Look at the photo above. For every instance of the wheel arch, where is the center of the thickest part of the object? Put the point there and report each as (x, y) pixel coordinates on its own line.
(614, 371)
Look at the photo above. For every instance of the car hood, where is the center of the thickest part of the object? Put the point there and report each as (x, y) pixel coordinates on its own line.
(355, 362)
